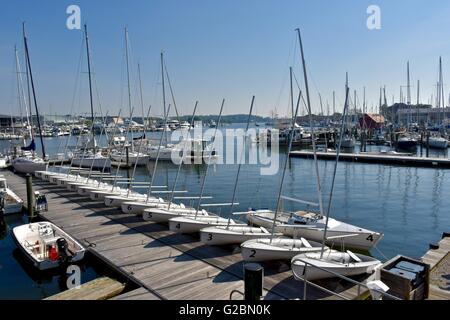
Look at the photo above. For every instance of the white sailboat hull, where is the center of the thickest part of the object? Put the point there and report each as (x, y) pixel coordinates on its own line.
(192, 224)
(232, 235)
(331, 262)
(25, 165)
(117, 200)
(160, 214)
(260, 250)
(353, 237)
(438, 143)
(97, 163)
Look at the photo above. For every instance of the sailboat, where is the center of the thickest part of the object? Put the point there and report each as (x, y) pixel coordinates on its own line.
(437, 141)
(127, 154)
(93, 156)
(28, 161)
(230, 233)
(279, 248)
(320, 265)
(406, 141)
(191, 223)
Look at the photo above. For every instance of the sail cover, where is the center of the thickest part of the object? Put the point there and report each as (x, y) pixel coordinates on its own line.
(31, 147)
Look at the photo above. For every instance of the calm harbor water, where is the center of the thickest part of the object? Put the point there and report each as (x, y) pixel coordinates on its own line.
(409, 205)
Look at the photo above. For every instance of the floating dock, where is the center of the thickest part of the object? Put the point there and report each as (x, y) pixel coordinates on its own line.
(378, 159)
(102, 288)
(438, 257)
(163, 264)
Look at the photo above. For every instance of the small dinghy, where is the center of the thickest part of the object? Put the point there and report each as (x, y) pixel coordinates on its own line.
(191, 224)
(46, 245)
(342, 263)
(259, 250)
(224, 235)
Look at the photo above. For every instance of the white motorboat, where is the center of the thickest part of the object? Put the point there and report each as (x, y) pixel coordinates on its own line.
(306, 265)
(28, 164)
(438, 142)
(224, 235)
(265, 249)
(311, 225)
(192, 224)
(11, 202)
(46, 245)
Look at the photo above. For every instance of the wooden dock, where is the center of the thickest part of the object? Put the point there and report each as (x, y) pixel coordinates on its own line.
(102, 288)
(378, 159)
(163, 264)
(439, 261)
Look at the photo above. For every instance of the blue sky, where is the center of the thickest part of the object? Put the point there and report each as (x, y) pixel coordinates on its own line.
(229, 49)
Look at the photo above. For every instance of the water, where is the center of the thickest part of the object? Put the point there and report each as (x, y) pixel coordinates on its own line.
(409, 205)
(20, 280)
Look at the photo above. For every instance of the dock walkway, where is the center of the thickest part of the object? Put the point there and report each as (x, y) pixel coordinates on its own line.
(379, 159)
(439, 261)
(165, 265)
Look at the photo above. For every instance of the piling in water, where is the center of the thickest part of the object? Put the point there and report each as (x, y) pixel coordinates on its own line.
(30, 196)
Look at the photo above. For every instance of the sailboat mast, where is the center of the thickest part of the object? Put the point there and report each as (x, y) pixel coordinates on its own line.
(90, 79)
(142, 97)
(286, 160)
(313, 138)
(22, 93)
(128, 80)
(202, 188)
(240, 163)
(27, 55)
(164, 93)
(292, 93)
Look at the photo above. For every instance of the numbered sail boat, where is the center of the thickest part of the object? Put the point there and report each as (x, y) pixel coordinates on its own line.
(279, 248)
(229, 233)
(320, 265)
(28, 161)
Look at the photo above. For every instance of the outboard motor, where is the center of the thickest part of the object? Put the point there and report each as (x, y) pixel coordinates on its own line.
(63, 250)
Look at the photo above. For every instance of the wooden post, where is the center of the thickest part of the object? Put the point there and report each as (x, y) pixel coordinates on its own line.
(428, 144)
(253, 281)
(127, 155)
(30, 196)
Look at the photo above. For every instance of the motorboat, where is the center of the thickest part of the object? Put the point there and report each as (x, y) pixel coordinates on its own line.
(46, 245)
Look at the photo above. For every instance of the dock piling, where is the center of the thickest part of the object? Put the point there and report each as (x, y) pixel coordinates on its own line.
(253, 281)
(30, 196)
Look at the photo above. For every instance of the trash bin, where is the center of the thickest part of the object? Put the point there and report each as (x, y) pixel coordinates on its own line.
(406, 278)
